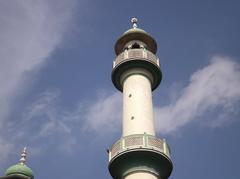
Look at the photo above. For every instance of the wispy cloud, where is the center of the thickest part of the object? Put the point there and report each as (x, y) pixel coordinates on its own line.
(44, 114)
(62, 129)
(30, 31)
(212, 91)
(44, 126)
(49, 122)
(5, 149)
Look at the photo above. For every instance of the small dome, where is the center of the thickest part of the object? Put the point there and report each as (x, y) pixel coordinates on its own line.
(135, 33)
(21, 169)
(134, 30)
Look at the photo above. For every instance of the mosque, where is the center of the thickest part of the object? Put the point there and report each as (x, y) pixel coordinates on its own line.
(139, 153)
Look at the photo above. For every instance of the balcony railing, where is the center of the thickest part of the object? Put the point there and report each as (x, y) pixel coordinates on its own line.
(136, 54)
(139, 141)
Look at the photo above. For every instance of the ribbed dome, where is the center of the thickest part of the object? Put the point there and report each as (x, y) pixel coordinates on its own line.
(21, 169)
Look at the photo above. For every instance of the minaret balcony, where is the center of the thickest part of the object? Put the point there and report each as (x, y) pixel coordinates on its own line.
(139, 142)
(136, 54)
(136, 58)
(140, 153)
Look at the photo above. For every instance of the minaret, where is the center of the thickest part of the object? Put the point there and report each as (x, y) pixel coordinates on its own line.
(20, 170)
(138, 154)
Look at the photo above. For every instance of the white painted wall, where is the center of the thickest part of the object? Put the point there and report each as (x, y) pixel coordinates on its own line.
(141, 175)
(137, 103)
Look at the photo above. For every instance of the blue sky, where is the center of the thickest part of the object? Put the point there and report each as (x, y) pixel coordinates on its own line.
(57, 98)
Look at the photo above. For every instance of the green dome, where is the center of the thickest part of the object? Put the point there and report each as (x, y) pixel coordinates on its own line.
(19, 169)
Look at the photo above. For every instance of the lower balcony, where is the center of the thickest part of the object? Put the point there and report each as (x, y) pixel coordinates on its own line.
(139, 141)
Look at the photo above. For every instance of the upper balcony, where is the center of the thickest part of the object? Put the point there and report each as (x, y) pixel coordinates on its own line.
(136, 58)
(136, 54)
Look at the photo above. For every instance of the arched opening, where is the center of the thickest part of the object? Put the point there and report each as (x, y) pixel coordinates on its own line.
(135, 45)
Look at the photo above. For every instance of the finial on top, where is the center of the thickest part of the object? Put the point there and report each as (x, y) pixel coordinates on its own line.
(23, 156)
(134, 21)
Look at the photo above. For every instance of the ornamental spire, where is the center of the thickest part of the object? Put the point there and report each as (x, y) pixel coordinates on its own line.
(134, 21)
(23, 156)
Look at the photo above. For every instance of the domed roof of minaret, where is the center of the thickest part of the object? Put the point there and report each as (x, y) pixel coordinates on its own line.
(135, 33)
(21, 168)
(135, 30)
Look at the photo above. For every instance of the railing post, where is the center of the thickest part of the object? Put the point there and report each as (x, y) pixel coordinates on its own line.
(144, 53)
(164, 146)
(125, 55)
(122, 143)
(109, 155)
(114, 64)
(158, 62)
(145, 139)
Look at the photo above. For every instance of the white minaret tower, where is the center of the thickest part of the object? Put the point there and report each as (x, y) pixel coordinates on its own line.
(139, 154)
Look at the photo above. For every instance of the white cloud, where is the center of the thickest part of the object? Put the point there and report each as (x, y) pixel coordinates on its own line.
(215, 87)
(30, 31)
(104, 114)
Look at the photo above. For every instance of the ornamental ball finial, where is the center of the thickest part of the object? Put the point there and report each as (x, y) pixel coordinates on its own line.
(23, 156)
(134, 21)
